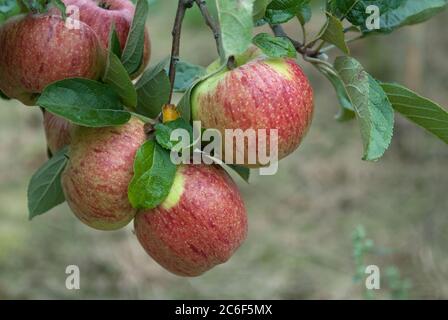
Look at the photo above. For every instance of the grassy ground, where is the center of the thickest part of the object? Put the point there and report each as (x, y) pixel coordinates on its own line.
(301, 220)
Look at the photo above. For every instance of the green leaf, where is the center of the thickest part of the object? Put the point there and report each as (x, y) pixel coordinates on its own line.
(9, 8)
(153, 90)
(281, 11)
(114, 42)
(333, 32)
(133, 51)
(39, 6)
(340, 8)
(305, 13)
(45, 189)
(346, 112)
(260, 7)
(84, 102)
(418, 109)
(235, 19)
(372, 107)
(393, 13)
(118, 78)
(275, 47)
(243, 172)
(186, 75)
(164, 130)
(153, 176)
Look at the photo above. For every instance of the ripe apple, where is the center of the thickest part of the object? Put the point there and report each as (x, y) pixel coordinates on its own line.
(100, 15)
(100, 167)
(260, 93)
(37, 50)
(57, 132)
(200, 224)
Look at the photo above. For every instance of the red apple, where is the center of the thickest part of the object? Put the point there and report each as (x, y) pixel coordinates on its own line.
(36, 50)
(200, 224)
(100, 168)
(57, 132)
(260, 93)
(100, 15)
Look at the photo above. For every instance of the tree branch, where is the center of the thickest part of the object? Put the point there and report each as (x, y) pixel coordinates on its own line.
(300, 47)
(202, 4)
(177, 28)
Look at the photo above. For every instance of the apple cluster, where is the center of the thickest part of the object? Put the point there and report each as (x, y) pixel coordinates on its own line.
(202, 221)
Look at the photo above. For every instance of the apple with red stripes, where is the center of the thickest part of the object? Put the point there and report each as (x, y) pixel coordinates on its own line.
(199, 225)
(260, 93)
(100, 168)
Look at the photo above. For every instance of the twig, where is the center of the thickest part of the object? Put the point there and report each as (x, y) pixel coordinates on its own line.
(331, 47)
(300, 47)
(177, 28)
(202, 4)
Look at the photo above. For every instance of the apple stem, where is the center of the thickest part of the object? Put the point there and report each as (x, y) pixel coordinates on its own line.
(202, 4)
(177, 28)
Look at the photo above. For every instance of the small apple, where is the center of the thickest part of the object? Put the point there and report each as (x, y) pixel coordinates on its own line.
(200, 224)
(100, 15)
(100, 168)
(260, 93)
(37, 50)
(57, 132)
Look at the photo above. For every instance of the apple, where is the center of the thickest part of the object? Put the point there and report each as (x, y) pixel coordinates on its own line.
(200, 224)
(57, 132)
(100, 15)
(100, 168)
(37, 50)
(259, 93)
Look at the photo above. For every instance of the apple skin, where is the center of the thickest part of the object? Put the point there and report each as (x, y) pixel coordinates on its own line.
(37, 50)
(260, 93)
(57, 132)
(101, 15)
(100, 168)
(200, 224)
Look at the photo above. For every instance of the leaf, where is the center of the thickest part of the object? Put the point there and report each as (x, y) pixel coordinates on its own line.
(347, 112)
(418, 109)
(9, 8)
(235, 19)
(84, 102)
(259, 10)
(164, 130)
(281, 11)
(243, 172)
(372, 107)
(304, 13)
(45, 189)
(114, 42)
(186, 75)
(133, 51)
(333, 32)
(118, 78)
(153, 90)
(393, 14)
(153, 176)
(275, 47)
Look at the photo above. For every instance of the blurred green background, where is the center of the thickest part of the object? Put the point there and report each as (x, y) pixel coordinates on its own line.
(307, 223)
